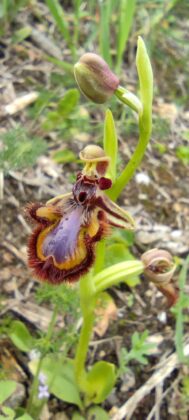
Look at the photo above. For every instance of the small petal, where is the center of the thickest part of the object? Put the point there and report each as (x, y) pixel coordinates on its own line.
(116, 216)
(105, 183)
(43, 392)
(95, 159)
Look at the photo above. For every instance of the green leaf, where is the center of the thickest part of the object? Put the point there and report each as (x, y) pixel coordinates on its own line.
(60, 378)
(64, 156)
(9, 413)
(19, 150)
(97, 413)
(100, 381)
(78, 416)
(20, 336)
(127, 9)
(104, 33)
(182, 153)
(6, 389)
(58, 14)
(138, 339)
(110, 143)
(25, 416)
(21, 34)
(185, 135)
(52, 121)
(68, 102)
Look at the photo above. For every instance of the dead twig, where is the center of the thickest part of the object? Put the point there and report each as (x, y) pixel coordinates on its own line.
(18, 254)
(20, 103)
(169, 365)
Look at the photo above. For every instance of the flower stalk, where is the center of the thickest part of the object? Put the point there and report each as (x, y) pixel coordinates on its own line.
(87, 302)
(113, 275)
(90, 287)
(128, 98)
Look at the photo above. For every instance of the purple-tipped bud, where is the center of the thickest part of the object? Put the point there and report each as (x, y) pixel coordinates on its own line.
(159, 268)
(94, 78)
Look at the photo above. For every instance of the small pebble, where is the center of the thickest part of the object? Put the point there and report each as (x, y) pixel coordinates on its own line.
(142, 178)
(162, 317)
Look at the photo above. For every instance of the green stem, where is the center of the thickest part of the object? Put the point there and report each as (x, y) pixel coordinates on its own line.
(128, 172)
(34, 387)
(128, 98)
(113, 275)
(100, 256)
(179, 334)
(87, 300)
(1, 185)
(144, 109)
(52, 323)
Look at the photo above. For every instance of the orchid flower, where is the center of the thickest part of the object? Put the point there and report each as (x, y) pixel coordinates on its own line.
(62, 246)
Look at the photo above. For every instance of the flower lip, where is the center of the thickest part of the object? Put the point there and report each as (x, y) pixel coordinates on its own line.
(61, 241)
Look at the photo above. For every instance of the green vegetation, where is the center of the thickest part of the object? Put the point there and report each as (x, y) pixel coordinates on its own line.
(54, 124)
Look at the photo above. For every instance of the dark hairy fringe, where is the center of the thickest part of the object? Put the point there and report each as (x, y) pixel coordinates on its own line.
(46, 270)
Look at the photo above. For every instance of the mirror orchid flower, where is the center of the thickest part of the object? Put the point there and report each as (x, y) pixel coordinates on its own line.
(62, 245)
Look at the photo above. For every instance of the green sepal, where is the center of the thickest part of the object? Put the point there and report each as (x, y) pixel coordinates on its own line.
(110, 144)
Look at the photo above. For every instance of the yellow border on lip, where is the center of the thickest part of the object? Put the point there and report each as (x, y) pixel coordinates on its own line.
(80, 250)
(47, 213)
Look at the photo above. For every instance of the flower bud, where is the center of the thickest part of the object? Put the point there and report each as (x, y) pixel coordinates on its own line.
(159, 268)
(93, 154)
(94, 78)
